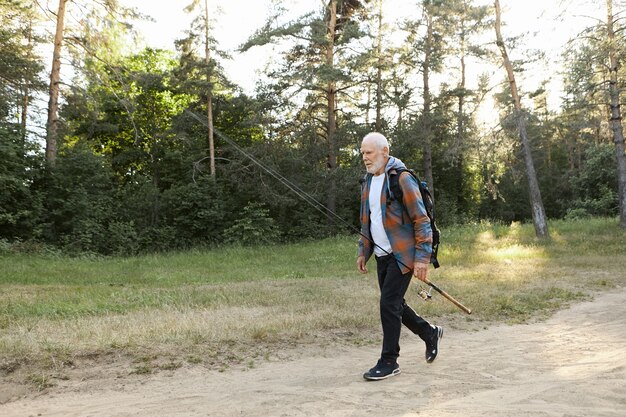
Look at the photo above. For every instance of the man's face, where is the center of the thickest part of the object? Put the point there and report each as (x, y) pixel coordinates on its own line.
(373, 157)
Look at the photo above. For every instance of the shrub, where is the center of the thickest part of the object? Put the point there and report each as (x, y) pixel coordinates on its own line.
(595, 186)
(254, 227)
(122, 238)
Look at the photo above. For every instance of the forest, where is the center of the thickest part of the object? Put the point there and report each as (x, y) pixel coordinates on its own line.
(139, 150)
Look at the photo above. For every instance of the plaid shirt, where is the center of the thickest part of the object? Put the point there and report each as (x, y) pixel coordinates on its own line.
(407, 225)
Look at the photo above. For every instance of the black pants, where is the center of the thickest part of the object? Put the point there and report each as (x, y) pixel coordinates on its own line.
(393, 309)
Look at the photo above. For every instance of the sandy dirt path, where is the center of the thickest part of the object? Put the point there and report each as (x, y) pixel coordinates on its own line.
(573, 364)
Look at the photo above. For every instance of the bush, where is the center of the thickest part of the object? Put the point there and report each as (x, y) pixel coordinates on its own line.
(576, 214)
(196, 211)
(158, 239)
(5, 246)
(19, 208)
(595, 186)
(253, 228)
(122, 238)
(77, 195)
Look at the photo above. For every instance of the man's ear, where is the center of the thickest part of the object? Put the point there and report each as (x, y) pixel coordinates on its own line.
(386, 151)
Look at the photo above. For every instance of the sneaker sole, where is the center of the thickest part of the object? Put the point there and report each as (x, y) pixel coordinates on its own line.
(378, 378)
(439, 337)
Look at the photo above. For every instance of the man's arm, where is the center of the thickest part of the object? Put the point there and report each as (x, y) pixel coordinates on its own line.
(365, 249)
(414, 204)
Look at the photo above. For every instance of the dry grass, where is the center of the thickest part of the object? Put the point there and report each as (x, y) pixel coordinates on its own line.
(307, 293)
(268, 311)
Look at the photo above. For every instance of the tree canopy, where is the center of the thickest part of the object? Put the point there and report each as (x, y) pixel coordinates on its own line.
(136, 171)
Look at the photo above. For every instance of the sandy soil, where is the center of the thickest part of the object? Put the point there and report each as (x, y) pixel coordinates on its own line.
(573, 364)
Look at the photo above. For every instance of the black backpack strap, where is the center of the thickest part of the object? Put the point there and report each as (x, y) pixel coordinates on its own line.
(395, 191)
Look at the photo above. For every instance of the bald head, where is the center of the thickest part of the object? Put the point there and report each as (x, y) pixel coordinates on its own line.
(375, 152)
(377, 139)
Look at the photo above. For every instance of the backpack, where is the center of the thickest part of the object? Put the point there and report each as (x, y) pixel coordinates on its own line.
(396, 190)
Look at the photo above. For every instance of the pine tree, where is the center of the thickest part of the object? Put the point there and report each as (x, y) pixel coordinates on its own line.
(55, 81)
(615, 119)
(538, 211)
(316, 66)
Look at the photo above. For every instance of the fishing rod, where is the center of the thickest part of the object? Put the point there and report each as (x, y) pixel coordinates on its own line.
(317, 204)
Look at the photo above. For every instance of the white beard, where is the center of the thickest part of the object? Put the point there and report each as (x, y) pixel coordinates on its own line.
(376, 166)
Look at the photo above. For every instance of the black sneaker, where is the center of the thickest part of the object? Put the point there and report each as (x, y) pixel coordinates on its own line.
(432, 345)
(382, 371)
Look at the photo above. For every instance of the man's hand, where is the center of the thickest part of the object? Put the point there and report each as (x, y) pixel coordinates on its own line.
(360, 264)
(420, 271)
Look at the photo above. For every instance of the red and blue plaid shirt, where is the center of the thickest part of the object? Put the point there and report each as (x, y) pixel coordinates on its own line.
(406, 223)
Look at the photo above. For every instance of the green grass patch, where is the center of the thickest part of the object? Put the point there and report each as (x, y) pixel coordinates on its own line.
(322, 259)
(231, 303)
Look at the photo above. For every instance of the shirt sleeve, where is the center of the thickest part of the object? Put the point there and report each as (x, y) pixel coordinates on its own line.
(412, 200)
(365, 247)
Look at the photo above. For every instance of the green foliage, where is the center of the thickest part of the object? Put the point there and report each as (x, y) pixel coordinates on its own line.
(122, 238)
(132, 174)
(595, 186)
(196, 211)
(254, 227)
(20, 67)
(78, 202)
(19, 208)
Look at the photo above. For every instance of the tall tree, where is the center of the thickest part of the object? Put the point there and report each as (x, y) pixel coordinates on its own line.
(427, 50)
(200, 73)
(315, 66)
(371, 70)
(20, 66)
(55, 81)
(590, 115)
(615, 119)
(330, 19)
(470, 22)
(20, 70)
(203, 24)
(583, 110)
(26, 89)
(538, 211)
(209, 93)
(379, 66)
(90, 43)
(429, 46)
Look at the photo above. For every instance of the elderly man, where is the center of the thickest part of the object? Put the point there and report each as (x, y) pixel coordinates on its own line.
(399, 234)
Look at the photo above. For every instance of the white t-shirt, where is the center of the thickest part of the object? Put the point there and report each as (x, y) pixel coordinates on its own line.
(376, 217)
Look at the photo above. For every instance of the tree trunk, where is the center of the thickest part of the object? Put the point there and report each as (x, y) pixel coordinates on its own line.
(331, 95)
(209, 104)
(24, 115)
(539, 216)
(459, 156)
(55, 79)
(616, 116)
(460, 126)
(379, 68)
(26, 93)
(427, 132)
(368, 103)
(399, 102)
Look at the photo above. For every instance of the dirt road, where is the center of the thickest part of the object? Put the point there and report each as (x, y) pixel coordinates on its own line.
(573, 364)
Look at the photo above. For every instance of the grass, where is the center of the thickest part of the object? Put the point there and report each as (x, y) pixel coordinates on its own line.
(233, 305)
